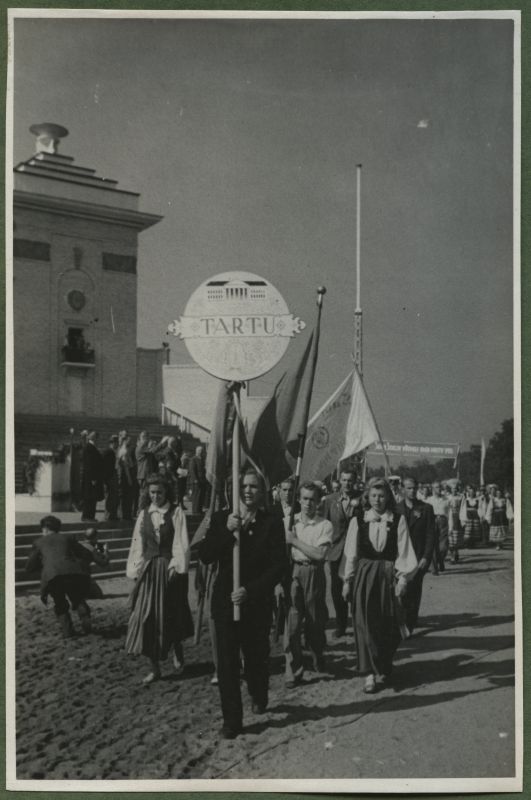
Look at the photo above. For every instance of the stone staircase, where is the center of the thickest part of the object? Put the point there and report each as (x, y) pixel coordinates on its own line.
(52, 432)
(116, 535)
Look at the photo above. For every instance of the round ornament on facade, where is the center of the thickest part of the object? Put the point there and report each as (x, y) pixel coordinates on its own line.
(76, 299)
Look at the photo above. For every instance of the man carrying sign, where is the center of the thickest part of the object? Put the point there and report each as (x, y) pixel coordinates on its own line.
(263, 564)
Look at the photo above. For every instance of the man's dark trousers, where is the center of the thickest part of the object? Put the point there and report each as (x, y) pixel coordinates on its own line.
(251, 634)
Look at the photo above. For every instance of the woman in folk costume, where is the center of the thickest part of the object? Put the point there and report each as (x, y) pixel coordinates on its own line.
(158, 561)
(455, 531)
(378, 559)
(499, 512)
(469, 518)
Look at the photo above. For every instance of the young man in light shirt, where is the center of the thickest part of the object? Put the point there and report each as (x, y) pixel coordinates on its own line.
(309, 542)
(443, 522)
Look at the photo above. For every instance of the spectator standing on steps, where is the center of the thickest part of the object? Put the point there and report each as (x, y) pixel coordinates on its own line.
(198, 480)
(62, 563)
(92, 477)
(110, 479)
(146, 453)
(127, 477)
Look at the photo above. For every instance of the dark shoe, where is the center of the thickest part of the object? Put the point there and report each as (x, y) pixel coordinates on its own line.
(293, 682)
(339, 633)
(178, 662)
(66, 626)
(319, 664)
(259, 708)
(83, 613)
(228, 732)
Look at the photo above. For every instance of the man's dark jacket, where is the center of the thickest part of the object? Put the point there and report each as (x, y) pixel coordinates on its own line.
(263, 562)
(92, 471)
(421, 524)
(56, 554)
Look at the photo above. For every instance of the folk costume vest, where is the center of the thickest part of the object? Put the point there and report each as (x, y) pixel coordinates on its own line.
(163, 547)
(472, 509)
(390, 551)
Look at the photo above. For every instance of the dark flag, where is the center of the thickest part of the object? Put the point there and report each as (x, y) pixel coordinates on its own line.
(218, 458)
(274, 436)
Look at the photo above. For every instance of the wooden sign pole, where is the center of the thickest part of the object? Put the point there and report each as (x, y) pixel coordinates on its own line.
(236, 499)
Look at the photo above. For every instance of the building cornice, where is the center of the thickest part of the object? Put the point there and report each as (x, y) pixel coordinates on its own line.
(95, 212)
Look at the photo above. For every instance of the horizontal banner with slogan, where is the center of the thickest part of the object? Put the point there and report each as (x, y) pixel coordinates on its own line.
(415, 449)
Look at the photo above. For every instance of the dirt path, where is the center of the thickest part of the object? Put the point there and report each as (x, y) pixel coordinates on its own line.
(82, 712)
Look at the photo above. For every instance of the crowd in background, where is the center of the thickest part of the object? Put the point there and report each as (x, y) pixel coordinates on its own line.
(118, 474)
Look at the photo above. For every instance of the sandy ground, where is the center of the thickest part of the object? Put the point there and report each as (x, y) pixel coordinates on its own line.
(82, 712)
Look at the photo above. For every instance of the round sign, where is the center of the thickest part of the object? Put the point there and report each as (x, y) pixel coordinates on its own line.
(236, 326)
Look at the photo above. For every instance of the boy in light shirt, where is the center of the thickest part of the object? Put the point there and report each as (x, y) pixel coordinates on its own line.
(309, 542)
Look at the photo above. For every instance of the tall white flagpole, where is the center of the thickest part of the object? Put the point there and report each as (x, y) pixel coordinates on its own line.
(358, 316)
(357, 355)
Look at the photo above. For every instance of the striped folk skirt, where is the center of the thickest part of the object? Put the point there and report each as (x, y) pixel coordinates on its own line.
(472, 534)
(499, 528)
(455, 537)
(160, 613)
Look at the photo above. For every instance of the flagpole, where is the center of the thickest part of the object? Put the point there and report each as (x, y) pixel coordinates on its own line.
(387, 464)
(321, 291)
(358, 314)
(236, 500)
(482, 464)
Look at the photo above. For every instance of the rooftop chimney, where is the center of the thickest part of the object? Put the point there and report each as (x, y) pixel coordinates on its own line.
(48, 136)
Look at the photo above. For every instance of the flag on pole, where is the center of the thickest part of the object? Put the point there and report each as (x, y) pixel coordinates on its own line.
(218, 459)
(344, 425)
(456, 461)
(273, 439)
(482, 466)
(217, 465)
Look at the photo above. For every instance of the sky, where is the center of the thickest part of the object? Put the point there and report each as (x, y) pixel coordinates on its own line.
(245, 134)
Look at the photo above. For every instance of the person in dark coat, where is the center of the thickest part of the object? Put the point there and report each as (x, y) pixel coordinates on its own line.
(263, 564)
(172, 454)
(147, 453)
(339, 508)
(64, 574)
(197, 480)
(92, 477)
(110, 479)
(421, 525)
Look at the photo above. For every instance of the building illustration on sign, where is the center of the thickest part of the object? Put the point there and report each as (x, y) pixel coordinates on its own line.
(236, 326)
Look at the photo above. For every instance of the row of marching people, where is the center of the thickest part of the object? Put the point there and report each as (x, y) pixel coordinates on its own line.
(380, 574)
(377, 557)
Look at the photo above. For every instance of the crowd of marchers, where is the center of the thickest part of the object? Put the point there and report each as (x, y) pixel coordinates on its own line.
(373, 543)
